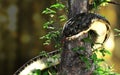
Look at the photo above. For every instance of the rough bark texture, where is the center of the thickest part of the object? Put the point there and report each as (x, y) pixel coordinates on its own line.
(76, 7)
(73, 62)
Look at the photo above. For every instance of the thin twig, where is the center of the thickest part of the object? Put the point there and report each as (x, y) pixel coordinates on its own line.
(114, 3)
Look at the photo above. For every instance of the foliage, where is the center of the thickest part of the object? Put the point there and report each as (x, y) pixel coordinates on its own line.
(118, 32)
(54, 36)
(97, 3)
(35, 72)
(100, 2)
(101, 70)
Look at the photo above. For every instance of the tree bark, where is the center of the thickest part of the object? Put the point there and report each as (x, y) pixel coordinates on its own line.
(72, 62)
(76, 63)
(77, 6)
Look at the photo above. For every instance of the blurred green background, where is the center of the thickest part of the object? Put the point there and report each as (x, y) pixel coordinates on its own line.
(21, 24)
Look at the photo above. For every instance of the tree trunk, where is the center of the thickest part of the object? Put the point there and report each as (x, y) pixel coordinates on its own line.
(76, 62)
(77, 7)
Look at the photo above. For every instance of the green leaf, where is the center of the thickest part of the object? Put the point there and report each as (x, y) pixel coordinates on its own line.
(50, 36)
(47, 25)
(44, 53)
(94, 57)
(117, 30)
(47, 42)
(48, 11)
(62, 18)
(57, 6)
(46, 73)
(107, 51)
(97, 3)
(100, 60)
(79, 48)
(104, 52)
(35, 72)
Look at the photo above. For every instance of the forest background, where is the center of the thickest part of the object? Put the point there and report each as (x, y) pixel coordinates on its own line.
(21, 26)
